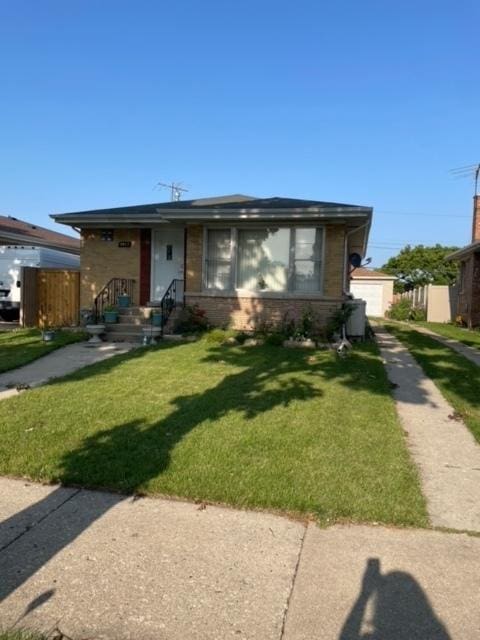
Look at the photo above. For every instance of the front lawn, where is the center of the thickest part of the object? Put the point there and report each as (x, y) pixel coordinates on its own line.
(21, 346)
(259, 427)
(457, 378)
(467, 336)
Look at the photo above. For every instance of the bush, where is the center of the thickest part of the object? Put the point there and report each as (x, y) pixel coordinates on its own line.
(404, 310)
(191, 319)
(400, 310)
(418, 314)
(275, 339)
(338, 320)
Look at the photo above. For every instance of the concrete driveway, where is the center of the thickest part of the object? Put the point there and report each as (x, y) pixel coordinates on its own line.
(98, 565)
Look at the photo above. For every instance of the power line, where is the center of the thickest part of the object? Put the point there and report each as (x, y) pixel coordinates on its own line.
(430, 215)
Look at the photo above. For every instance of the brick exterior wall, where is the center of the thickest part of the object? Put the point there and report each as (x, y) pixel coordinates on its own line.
(100, 261)
(247, 313)
(476, 219)
(468, 302)
(194, 258)
(334, 260)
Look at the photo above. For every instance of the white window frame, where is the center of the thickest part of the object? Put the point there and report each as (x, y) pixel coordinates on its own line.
(234, 289)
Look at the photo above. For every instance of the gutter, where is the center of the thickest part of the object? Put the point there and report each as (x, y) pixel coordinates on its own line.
(138, 219)
(366, 226)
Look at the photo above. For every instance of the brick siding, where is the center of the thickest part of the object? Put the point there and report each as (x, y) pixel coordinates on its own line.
(194, 258)
(100, 261)
(247, 313)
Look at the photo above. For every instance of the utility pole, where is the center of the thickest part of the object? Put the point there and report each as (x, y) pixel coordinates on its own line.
(176, 189)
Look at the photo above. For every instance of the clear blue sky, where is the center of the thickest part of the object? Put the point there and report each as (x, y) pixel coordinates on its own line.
(369, 102)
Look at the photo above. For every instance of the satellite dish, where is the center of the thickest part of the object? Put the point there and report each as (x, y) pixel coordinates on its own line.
(355, 260)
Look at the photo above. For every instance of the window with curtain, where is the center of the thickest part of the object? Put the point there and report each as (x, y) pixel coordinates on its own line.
(266, 259)
(263, 259)
(307, 259)
(219, 259)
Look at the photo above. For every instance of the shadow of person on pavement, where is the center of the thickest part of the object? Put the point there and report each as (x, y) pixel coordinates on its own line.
(399, 608)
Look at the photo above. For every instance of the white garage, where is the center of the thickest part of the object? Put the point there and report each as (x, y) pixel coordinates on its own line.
(375, 287)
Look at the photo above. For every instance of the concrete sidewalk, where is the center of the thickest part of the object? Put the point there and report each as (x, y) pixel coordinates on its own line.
(103, 566)
(59, 363)
(464, 350)
(446, 453)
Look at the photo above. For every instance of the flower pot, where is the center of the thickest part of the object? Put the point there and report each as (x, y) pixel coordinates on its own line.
(151, 334)
(156, 320)
(48, 335)
(94, 330)
(110, 317)
(123, 300)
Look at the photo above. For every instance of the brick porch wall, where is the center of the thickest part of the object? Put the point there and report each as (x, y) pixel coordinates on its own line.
(100, 261)
(247, 313)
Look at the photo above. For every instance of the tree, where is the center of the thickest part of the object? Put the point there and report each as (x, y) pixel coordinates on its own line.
(420, 265)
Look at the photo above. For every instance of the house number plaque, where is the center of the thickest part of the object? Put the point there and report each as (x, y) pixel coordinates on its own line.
(125, 244)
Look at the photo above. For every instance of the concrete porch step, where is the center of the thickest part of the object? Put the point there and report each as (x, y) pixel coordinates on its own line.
(144, 312)
(124, 328)
(130, 320)
(124, 336)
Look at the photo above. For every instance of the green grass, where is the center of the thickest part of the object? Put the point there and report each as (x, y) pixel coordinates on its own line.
(258, 427)
(467, 336)
(21, 634)
(457, 378)
(21, 346)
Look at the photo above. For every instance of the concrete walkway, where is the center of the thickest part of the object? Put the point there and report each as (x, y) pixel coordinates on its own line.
(445, 451)
(57, 364)
(101, 566)
(464, 350)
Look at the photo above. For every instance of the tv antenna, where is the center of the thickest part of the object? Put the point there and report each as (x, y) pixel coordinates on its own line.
(176, 189)
(468, 171)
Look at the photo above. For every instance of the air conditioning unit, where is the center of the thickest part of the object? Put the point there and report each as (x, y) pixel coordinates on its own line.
(357, 322)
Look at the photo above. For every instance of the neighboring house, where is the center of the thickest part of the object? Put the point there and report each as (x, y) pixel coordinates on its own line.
(27, 245)
(375, 287)
(243, 260)
(468, 301)
(18, 233)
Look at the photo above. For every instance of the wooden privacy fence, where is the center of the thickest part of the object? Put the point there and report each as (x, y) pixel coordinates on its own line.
(439, 301)
(49, 297)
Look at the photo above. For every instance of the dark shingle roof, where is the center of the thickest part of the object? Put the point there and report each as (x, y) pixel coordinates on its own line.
(236, 202)
(15, 231)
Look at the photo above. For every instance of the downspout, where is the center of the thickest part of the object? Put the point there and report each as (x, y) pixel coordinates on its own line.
(367, 226)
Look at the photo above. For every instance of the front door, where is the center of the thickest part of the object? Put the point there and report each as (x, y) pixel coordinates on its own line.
(168, 248)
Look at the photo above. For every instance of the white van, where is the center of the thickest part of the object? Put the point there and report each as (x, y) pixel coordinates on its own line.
(12, 259)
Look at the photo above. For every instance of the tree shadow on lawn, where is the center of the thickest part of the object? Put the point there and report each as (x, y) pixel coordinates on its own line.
(126, 457)
(443, 365)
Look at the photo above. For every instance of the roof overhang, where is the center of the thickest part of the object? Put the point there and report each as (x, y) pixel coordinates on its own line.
(185, 216)
(463, 253)
(31, 241)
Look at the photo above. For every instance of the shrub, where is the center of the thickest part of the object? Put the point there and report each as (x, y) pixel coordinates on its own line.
(275, 339)
(400, 310)
(418, 314)
(404, 310)
(191, 319)
(338, 319)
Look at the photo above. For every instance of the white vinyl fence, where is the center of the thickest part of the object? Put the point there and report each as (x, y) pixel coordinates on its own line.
(439, 301)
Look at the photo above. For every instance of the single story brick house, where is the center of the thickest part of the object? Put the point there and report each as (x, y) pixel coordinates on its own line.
(244, 260)
(468, 300)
